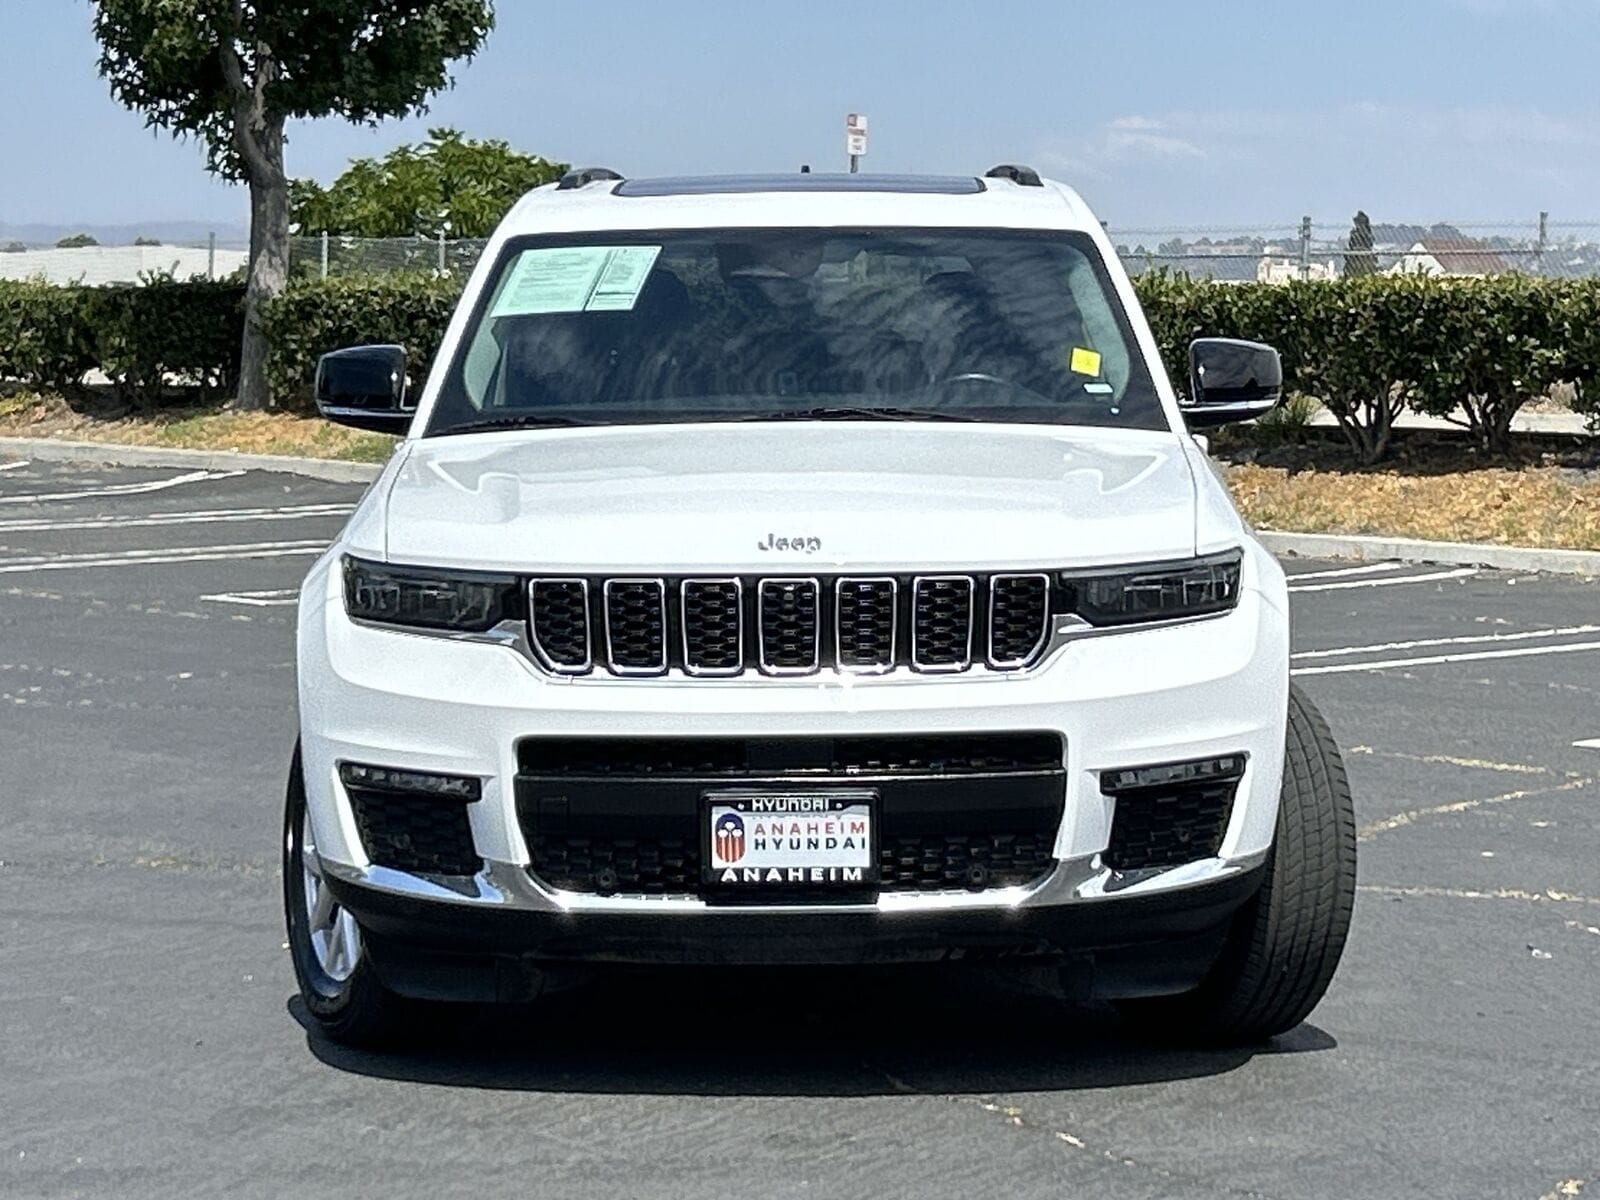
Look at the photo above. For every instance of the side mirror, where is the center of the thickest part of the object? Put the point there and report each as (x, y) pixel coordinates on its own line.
(365, 387)
(1231, 380)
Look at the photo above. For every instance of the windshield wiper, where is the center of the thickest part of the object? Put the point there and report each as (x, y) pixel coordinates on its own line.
(525, 421)
(842, 412)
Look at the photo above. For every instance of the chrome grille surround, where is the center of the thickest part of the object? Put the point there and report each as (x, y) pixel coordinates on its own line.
(550, 656)
(729, 588)
(775, 625)
(932, 631)
(727, 626)
(996, 584)
(843, 600)
(642, 590)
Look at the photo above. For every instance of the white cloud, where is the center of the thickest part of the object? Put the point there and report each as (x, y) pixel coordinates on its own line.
(1406, 162)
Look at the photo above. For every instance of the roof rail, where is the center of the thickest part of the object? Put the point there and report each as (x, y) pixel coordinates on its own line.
(583, 176)
(1022, 176)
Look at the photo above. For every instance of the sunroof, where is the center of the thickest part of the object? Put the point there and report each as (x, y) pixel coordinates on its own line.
(691, 185)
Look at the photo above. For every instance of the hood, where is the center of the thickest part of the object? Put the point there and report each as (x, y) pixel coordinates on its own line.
(785, 498)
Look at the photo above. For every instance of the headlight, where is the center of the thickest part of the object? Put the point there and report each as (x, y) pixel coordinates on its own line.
(1158, 592)
(453, 600)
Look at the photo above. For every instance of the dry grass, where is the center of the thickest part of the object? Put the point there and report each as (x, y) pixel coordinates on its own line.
(34, 415)
(1528, 506)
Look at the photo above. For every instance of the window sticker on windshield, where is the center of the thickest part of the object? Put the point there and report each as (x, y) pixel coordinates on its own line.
(1085, 362)
(575, 279)
(623, 278)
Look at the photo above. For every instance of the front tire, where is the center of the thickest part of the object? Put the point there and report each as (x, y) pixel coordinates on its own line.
(1286, 942)
(338, 986)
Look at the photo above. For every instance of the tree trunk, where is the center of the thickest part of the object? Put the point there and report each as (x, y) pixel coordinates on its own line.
(269, 258)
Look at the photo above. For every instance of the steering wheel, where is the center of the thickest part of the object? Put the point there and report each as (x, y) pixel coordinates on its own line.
(972, 377)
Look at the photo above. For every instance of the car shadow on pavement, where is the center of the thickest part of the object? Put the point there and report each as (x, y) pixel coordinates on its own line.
(933, 1031)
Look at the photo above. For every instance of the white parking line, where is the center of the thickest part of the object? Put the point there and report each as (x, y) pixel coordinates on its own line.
(14, 466)
(1379, 647)
(1392, 581)
(147, 558)
(293, 512)
(121, 489)
(1588, 744)
(269, 599)
(1433, 660)
(1369, 569)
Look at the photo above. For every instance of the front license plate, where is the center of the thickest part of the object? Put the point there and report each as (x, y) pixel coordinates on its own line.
(761, 839)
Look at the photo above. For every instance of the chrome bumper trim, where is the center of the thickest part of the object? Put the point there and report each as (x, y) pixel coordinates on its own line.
(1073, 881)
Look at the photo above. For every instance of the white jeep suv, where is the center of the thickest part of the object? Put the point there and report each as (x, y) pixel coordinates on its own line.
(810, 570)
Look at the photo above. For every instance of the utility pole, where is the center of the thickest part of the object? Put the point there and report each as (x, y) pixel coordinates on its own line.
(855, 139)
(1305, 248)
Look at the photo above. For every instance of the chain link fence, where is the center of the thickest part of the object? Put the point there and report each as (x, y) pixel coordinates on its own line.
(331, 256)
(1270, 252)
(1274, 252)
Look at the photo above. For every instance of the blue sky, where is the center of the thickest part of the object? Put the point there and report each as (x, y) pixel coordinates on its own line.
(1162, 112)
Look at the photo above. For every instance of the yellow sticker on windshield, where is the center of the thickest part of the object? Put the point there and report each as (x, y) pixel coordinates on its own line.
(1085, 362)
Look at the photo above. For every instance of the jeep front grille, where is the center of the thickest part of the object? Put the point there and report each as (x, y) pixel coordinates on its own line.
(727, 625)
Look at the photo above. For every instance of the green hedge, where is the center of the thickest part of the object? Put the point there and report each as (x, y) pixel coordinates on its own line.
(139, 336)
(1366, 348)
(144, 334)
(316, 316)
(45, 338)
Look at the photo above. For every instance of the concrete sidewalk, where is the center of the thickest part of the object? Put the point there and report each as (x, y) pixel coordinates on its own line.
(1565, 424)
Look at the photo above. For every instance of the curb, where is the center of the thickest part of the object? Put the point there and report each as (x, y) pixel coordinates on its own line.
(108, 454)
(1584, 563)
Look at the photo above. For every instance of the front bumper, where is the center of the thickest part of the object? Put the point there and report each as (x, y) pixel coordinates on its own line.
(1158, 943)
(1214, 687)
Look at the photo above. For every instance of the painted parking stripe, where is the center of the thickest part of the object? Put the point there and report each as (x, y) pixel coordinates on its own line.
(1588, 744)
(270, 599)
(1389, 581)
(121, 489)
(1434, 660)
(1341, 572)
(1475, 639)
(293, 512)
(13, 466)
(147, 558)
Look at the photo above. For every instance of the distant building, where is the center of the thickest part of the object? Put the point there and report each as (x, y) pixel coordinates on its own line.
(1286, 270)
(96, 265)
(1438, 256)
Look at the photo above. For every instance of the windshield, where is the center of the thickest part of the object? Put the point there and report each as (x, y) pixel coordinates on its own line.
(750, 324)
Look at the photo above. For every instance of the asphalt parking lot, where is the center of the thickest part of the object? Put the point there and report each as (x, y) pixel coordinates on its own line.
(149, 1045)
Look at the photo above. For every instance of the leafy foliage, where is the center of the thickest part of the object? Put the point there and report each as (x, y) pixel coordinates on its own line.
(1577, 328)
(77, 241)
(146, 337)
(1368, 347)
(1355, 350)
(449, 185)
(315, 316)
(45, 339)
(231, 73)
(197, 67)
(1488, 346)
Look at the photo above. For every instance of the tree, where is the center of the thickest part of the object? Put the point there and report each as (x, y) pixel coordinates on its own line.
(77, 241)
(1359, 258)
(146, 241)
(13, 247)
(449, 184)
(231, 73)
